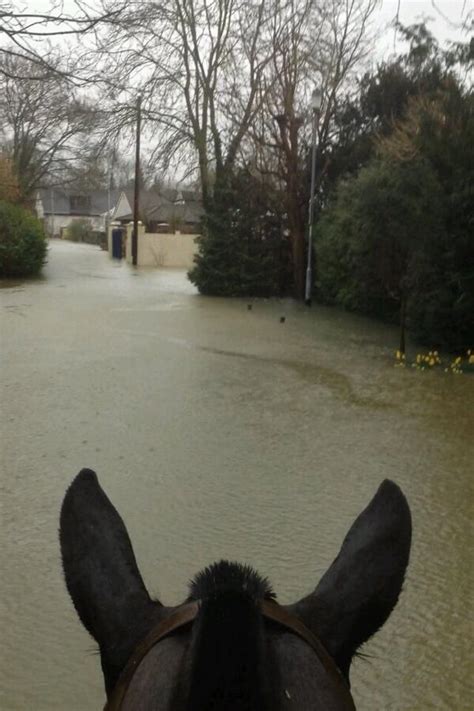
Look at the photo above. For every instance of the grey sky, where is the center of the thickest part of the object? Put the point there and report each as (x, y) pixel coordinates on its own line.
(443, 12)
(446, 15)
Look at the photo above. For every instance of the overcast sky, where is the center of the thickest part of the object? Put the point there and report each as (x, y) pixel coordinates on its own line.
(446, 14)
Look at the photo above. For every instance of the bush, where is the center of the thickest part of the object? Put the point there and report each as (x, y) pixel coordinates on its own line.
(23, 242)
(242, 250)
(79, 231)
(387, 236)
(372, 235)
(402, 230)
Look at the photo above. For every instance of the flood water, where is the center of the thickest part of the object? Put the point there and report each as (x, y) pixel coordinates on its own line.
(221, 432)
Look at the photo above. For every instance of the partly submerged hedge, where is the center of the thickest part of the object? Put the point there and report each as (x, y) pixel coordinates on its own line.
(23, 243)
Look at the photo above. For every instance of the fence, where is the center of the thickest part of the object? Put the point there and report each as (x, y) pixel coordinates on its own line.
(159, 250)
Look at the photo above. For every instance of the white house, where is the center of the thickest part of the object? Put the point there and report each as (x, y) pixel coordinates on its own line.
(58, 208)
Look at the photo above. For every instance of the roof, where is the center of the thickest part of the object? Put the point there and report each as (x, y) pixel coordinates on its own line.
(103, 201)
(54, 201)
(62, 201)
(165, 205)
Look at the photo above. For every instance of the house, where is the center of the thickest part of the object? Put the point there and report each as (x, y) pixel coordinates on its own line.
(58, 208)
(167, 210)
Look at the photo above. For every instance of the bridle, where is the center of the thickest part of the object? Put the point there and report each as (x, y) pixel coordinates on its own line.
(187, 613)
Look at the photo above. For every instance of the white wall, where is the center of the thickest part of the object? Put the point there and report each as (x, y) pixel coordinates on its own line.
(162, 250)
(54, 223)
(167, 250)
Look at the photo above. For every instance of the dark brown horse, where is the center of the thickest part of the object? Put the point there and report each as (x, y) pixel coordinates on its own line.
(230, 646)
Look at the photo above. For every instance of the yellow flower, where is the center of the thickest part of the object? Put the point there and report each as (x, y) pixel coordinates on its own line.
(432, 362)
(471, 360)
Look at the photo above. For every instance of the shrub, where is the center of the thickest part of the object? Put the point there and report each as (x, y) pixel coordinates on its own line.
(242, 250)
(376, 237)
(79, 231)
(401, 230)
(23, 242)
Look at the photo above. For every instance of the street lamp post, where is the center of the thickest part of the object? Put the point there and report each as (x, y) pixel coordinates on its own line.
(316, 98)
(136, 199)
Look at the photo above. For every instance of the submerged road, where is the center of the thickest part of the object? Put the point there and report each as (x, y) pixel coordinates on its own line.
(221, 432)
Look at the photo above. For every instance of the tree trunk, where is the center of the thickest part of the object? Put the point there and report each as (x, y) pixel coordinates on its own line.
(297, 233)
(291, 173)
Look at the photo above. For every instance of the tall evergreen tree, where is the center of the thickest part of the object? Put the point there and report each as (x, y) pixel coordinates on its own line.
(243, 250)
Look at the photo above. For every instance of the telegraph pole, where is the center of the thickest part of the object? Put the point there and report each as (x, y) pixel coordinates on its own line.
(136, 201)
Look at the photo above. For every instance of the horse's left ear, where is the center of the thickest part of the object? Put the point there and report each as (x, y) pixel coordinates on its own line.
(361, 587)
(102, 575)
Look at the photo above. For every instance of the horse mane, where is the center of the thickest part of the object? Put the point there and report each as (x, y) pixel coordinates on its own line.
(228, 655)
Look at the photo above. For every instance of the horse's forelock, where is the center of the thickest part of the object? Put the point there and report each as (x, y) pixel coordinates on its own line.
(228, 668)
(224, 577)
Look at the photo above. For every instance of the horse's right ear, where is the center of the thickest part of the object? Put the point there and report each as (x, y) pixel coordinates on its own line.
(361, 587)
(102, 575)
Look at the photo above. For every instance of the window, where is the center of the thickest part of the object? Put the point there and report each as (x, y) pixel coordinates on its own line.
(79, 204)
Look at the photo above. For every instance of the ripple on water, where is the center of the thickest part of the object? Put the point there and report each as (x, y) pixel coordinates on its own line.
(219, 432)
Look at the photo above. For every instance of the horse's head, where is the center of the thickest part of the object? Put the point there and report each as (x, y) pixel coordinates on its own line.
(230, 645)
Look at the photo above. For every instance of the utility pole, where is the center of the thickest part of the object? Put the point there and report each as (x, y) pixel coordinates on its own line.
(107, 219)
(136, 201)
(51, 194)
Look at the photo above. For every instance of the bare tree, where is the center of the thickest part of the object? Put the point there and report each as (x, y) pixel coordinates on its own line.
(199, 64)
(311, 44)
(40, 126)
(25, 36)
(225, 81)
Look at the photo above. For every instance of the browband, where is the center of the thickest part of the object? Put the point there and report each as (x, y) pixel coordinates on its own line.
(187, 613)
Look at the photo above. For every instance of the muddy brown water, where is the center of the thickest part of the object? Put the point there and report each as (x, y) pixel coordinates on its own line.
(221, 432)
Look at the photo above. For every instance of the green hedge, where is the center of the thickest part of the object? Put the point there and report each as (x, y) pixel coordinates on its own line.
(23, 243)
(392, 231)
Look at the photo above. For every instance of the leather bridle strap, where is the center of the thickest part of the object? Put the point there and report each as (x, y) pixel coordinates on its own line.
(276, 613)
(183, 616)
(187, 613)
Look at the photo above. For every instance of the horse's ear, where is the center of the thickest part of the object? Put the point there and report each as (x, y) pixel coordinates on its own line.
(102, 575)
(361, 587)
